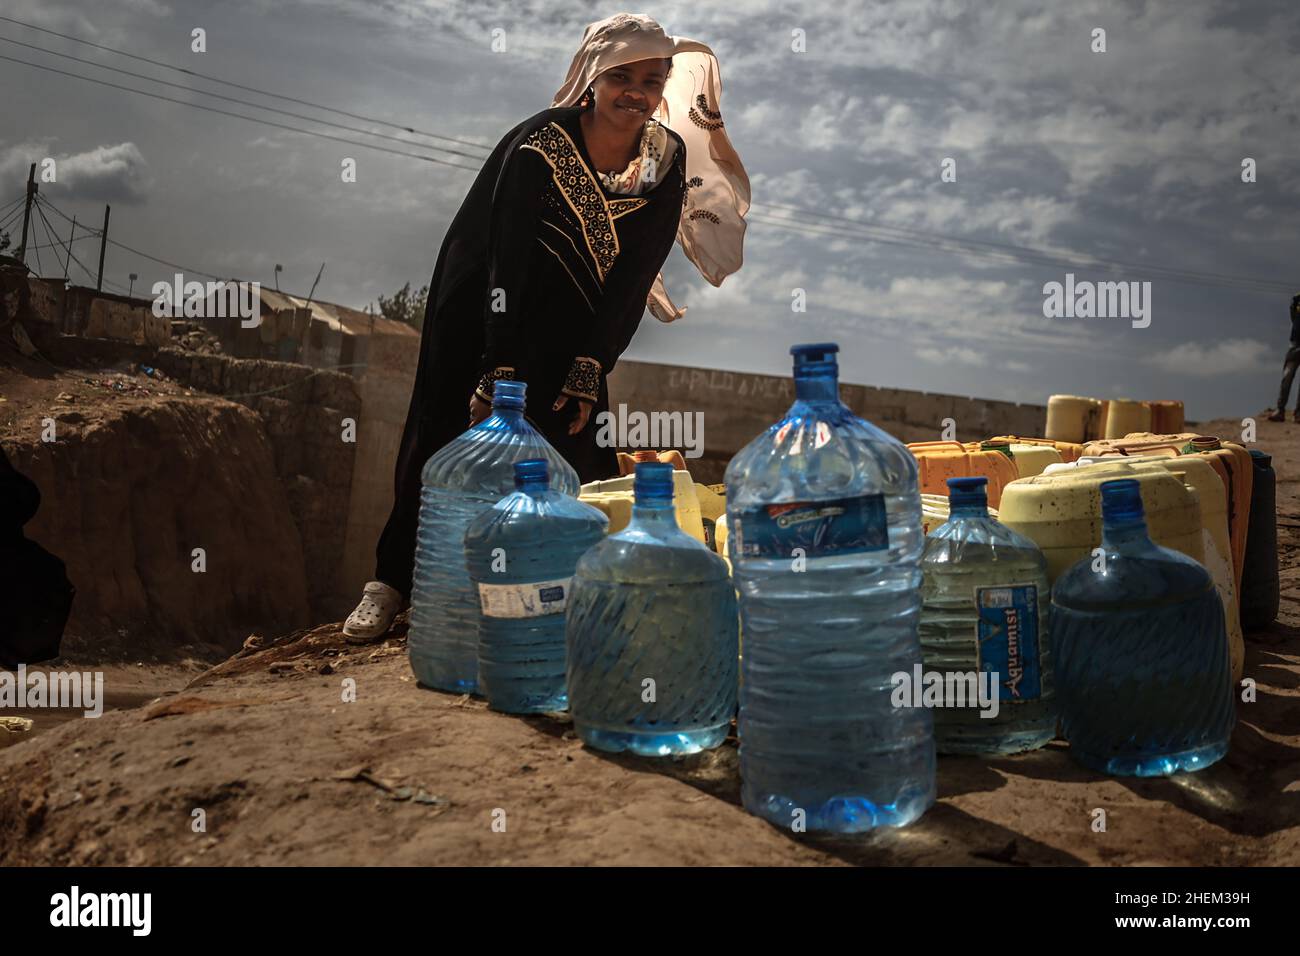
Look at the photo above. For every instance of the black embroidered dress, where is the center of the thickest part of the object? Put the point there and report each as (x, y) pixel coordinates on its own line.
(542, 277)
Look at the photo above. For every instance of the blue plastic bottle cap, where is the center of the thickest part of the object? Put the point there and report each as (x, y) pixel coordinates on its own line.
(1121, 501)
(530, 469)
(1262, 458)
(817, 352)
(653, 481)
(508, 394)
(968, 491)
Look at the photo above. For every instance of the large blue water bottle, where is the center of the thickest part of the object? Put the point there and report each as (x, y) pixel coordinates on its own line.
(468, 474)
(825, 538)
(652, 634)
(1141, 653)
(521, 555)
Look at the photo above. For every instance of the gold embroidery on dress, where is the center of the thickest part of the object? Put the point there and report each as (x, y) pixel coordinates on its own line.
(621, 207)
(582, 192)
(583, 380)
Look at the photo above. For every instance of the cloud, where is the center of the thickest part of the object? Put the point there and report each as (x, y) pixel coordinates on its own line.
(961, 355)
(106, 173)
(1209, 359)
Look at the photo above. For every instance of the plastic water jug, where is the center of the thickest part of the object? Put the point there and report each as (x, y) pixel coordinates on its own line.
(1141, 655)
(521, 555)
(985, 623)
(652, 634)
(470, 473)
(824, 522)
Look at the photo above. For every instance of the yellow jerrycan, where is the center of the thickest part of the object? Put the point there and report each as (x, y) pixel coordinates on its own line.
(1072, 418)
(1166, 416)
(1123, 415)
(937, 461)
(1061, 512)
(1232, 463)
(1197, 472)
(1030, 459)
(1033, 459)
(1068, 450)
(614, 497)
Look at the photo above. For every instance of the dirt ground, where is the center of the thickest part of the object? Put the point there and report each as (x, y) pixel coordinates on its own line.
(286, 772)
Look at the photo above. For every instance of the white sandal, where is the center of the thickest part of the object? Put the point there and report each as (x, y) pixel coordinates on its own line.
(374, 615)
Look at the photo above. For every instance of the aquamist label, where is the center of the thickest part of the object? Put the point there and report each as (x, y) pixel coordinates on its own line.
(1007, 639)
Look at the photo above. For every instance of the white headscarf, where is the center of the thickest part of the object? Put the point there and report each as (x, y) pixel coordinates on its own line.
(712, 229)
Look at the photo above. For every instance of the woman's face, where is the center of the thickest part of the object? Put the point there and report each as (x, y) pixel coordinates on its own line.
(627, 94)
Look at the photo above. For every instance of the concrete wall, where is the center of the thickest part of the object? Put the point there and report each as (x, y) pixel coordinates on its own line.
(385, 381)
(737, 406)
(102, 315)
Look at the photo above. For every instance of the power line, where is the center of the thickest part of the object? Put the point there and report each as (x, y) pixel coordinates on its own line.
(231, 99)
(875, 232)
(1016, 253)
(13, 209)
(50, 233)
(60, 243)
(8, 207)
(251, 119)
(937, 243)
(42, 201)
(820, 230)
(121, 245)
(249, 89)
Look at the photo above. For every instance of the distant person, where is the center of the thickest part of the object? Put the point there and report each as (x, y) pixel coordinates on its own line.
(1289, 368)
(548, 267)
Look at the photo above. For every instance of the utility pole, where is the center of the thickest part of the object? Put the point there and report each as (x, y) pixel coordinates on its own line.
(103, 242)
(71, 237)
(27, 212)
(314, 284)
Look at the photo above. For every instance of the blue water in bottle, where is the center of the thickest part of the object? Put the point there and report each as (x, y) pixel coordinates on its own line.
(1142, 668)
(461, 479)
(825, 539)
(652, 634)
(985, 614)
(521, 554)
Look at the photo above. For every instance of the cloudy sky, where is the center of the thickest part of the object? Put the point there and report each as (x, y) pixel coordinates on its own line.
(1132, 155)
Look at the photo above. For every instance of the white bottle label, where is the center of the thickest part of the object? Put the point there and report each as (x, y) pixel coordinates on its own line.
(524, 600)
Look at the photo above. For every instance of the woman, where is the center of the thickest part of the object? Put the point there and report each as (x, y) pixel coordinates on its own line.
(554, 256)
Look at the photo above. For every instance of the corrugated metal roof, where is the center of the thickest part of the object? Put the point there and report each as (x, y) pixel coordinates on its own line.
(339, 318)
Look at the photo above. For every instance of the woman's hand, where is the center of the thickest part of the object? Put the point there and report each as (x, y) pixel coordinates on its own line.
(580, 418)
(478, 410)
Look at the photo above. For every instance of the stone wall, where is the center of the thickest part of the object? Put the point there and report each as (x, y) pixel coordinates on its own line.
(739, 405)
(103, 315)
